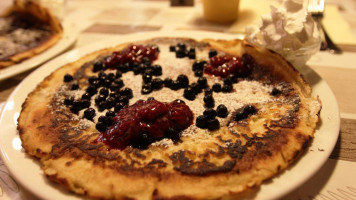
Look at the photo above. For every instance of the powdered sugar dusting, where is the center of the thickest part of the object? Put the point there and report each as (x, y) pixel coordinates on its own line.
(244, 92)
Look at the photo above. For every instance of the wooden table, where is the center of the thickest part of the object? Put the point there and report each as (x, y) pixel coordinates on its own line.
(98, 20)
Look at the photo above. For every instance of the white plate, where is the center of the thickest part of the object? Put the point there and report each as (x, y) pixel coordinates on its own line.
(28, 173)
(69, 37)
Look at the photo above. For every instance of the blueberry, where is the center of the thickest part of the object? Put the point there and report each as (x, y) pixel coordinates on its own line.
(216, 87)
(222, 111)
(143, 67)
(189, 94)
(133, 65)
(126, 67)
(191, 50)
(196, 88)
(123, 99)
(114, 94)
(227, 81)
(101, 126)
(110, 102)
(107, 82)
(208, 91)
(118, 74)
(86, 96)
(168, 82)
(214, 124)
(102, 74)
(175, 85)
(143, 141)
(89, 113)
(198, 73)
(148, 70)
(203, 82)
(157, 84)
(146, 89)
(209, 101)
(201, 122)
(68, 100)
(146, 60)
(137, 70)
(97, 66)
(85, 103)
(119, 106)
(212, 53)
(157, 70)
(102, 105)
(110, 113)
(91, 90)
(92, 79)
(226, 88)
(146, 77)
(104, 92)
(96, 83)
(244, 112)
(210, 113)
(191, 53)
(180, 53)
(114, 87)
(199, 65)
(99, 98)
(250, 109)
(76, 106)
(119, 82)
(127, 92)
(182, 46)
(67, 78)
(233, 78)
(172, 48)
(183, 81)
(110, 76)
(74, 86)
(123, 67)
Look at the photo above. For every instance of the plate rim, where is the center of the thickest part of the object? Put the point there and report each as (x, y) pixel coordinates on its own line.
(74, 54)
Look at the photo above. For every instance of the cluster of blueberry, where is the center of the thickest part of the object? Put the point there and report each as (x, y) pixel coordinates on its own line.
(108, 92)
(244, 112)
(208, 119)
(182, 51)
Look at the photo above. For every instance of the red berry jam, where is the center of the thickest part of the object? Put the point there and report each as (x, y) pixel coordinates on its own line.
(132, 54)
(223, 66)
(145, 122)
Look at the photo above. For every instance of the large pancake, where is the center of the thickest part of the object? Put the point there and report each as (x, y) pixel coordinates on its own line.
(203, 164)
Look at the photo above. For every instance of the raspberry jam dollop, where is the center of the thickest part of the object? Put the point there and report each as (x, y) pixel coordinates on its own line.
(132, 54)
(145, 122)
(225, 65)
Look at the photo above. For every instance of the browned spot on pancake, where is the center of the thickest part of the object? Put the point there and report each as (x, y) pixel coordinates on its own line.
(156, 163)
(138, 154)
(40, 152)
(180, 197)
(198, 168)
(41, 127)
(55, 178)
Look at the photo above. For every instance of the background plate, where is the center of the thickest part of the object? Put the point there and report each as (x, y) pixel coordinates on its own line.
(70, 35)
(28, 173)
